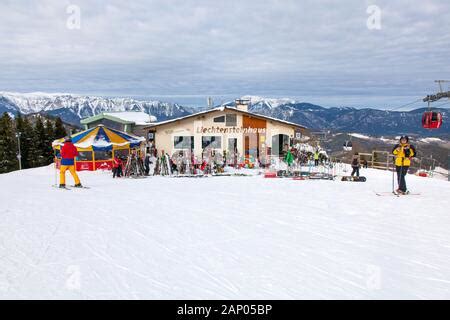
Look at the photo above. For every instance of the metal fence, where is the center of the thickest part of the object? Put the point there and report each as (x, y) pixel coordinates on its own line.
(384, 160)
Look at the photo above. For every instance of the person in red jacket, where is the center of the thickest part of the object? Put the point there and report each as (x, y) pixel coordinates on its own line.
(68, 154)
(117, 167)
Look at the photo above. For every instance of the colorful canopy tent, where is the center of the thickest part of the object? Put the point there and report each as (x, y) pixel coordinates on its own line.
(97, 147)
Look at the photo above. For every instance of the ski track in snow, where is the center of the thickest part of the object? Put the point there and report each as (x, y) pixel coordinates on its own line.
(222, 238)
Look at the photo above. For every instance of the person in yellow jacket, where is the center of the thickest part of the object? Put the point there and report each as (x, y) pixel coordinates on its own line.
(403, 153)
(316, 157)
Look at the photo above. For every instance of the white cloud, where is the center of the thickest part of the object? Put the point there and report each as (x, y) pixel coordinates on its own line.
(272, 47)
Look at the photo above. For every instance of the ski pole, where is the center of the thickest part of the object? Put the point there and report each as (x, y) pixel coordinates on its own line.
(393, 175)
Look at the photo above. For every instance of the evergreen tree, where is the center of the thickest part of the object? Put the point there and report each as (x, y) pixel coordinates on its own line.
(23, 126)
(8, 145)
(48, 139)
(60, 131)
(40, 143)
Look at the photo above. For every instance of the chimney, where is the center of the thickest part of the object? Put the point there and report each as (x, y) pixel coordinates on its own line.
(242, 104)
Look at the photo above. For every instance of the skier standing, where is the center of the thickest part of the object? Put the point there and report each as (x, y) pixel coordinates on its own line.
(289, 159)
(403, 153)
(355, 164)
(147, 163)
(316, 157)
(120, 168)
(68, 154)
(117, 167)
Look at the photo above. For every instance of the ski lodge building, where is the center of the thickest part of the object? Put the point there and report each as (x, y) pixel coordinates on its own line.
(225, 130)
(127, 121)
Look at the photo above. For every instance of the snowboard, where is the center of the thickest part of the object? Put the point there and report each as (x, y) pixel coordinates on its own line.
(354, 179)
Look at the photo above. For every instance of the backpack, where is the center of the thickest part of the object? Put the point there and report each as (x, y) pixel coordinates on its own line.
(414, 150)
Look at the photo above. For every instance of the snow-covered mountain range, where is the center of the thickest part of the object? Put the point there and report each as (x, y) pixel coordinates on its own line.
(71, 108)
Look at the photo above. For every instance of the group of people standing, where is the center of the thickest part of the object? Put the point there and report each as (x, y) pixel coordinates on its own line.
(403, 153)
(302, 157)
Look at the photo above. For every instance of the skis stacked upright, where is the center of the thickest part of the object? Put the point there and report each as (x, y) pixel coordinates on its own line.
(134, 167)
(162, 166)
(165, 169)
(169, 167)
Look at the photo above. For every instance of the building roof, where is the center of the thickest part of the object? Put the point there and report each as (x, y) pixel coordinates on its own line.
(254, 115)
(126, 117)
(101, 138)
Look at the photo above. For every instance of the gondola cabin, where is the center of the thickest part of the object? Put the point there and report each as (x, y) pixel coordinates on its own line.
(431, 120)
(348, 146)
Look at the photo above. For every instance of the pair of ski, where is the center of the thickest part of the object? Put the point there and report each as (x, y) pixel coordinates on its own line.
(396, 194)
(67, 188)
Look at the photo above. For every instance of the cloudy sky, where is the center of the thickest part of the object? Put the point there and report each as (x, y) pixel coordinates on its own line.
(317, 51)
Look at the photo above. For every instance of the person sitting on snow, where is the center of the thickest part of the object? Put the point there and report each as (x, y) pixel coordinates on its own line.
(403, 153)
(68, 154)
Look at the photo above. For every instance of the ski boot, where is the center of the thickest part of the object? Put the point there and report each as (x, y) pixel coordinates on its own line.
(62, 186)
(78, 185)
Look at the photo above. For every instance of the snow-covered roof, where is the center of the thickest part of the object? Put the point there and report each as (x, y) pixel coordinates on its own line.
(139, 118)
(223, 108)
(128, 117)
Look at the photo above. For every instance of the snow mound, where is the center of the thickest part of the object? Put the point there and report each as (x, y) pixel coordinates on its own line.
(359, 136)
(432, 140)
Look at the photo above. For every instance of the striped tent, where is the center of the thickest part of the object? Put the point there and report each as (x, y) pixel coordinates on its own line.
(97, 147)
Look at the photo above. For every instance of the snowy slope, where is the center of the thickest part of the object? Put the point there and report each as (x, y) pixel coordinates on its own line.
(224, 237)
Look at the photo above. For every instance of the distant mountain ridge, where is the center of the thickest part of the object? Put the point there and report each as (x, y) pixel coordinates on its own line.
(71, 108)
(369, 121)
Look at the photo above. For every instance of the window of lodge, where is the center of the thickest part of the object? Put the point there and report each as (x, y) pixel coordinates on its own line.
(231, 120)
(213, 142)
(183, 142)
(220, 119)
